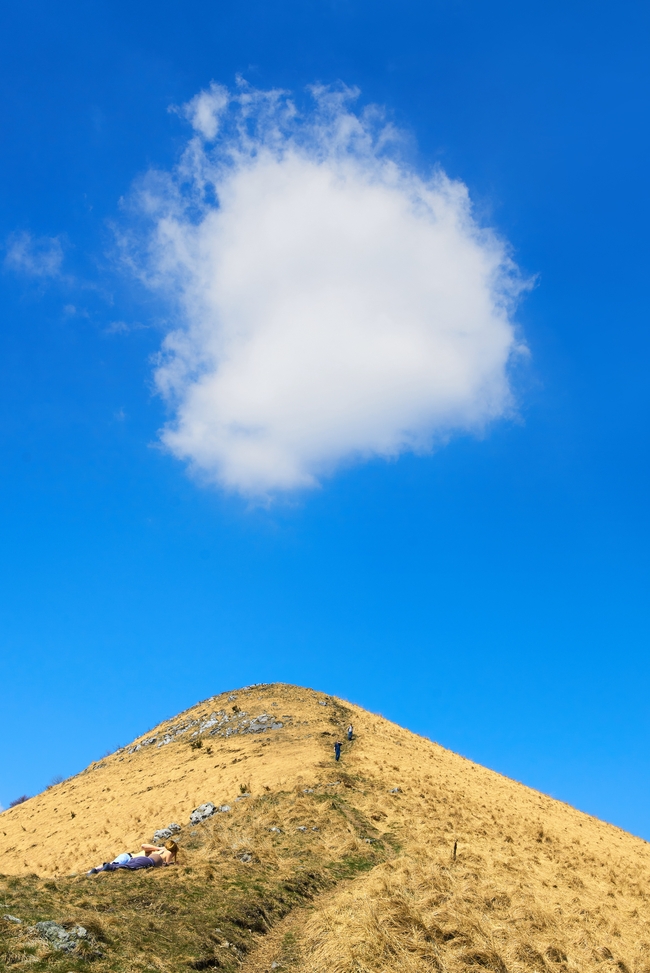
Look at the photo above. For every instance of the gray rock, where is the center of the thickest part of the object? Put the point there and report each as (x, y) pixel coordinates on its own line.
(246, 858)
(202, 813)
(161, 835)
(174, 828)
(277, 830)
(12, 918)
(308, 790)
(60, 938)
(301, 828)
(261, 723)
(224, 808)
(396, 790)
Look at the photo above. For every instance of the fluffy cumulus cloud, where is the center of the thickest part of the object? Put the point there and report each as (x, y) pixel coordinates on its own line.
(330, 303)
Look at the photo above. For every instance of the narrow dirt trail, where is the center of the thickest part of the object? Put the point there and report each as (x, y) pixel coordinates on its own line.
(282, 944)
(273, 947)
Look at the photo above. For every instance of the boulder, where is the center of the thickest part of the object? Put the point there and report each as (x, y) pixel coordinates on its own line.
(202, 813)
(60, 938)
(163, 834)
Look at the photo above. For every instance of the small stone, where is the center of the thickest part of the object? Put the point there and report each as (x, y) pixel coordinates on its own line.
(162, 835)
(246, 858)
(315, 829)
(396, 790)
(301, 828)
(277, 830)
(224, 808)
(12, 918)
(274, 965)
(308, 790)
(174, 828)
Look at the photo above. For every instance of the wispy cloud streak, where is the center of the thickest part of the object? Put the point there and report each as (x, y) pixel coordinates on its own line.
(40, 257)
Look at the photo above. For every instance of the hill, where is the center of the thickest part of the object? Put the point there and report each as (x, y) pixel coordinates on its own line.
(403, 856)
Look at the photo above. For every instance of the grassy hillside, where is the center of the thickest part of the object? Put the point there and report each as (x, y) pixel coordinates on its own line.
(317, 866)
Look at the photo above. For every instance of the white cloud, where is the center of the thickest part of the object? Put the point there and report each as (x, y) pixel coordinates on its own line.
(205, 110)
(117, 327)
(34, 256)
(331, 303)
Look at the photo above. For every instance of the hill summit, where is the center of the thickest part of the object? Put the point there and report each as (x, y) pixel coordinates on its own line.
(400, 856)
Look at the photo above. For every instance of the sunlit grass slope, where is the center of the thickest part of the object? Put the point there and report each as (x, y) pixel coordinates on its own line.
(324, 867)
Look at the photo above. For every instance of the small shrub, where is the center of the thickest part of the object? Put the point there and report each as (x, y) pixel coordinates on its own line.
(196, 744)
(19, 800)
(555, 955)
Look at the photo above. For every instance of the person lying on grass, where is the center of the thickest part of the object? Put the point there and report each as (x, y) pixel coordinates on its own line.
(153, 857)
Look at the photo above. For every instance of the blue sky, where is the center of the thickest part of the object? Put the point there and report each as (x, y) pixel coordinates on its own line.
(491, 594)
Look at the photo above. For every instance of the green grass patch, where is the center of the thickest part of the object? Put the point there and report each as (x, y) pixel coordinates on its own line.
(351, 866)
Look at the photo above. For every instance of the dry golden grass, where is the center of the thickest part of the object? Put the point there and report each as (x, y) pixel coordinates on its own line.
(371, 885)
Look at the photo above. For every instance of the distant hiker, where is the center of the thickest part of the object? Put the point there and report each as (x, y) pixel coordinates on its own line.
(337, 750)
(154, 857)
(350, 728)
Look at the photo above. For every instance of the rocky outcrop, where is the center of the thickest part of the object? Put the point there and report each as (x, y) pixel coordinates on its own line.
(219, 724)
